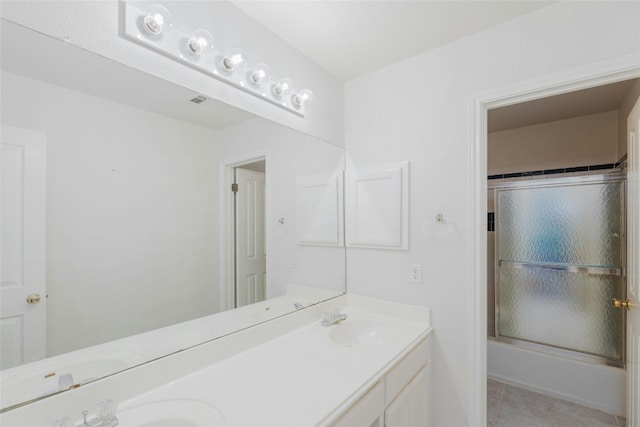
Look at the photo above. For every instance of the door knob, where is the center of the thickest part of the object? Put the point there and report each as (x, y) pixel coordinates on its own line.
(33, 298)
(621, 304)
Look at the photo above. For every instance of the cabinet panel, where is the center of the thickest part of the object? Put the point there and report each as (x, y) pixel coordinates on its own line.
(411, 406)
(405, 370)
(366, 411)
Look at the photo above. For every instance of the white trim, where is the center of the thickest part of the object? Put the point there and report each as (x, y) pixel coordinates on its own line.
(227, 244)
(591, 75)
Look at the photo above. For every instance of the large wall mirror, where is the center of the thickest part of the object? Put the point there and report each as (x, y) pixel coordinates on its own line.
(118, 215)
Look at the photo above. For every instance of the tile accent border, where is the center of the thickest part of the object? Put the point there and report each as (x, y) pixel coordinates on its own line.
(603, 166)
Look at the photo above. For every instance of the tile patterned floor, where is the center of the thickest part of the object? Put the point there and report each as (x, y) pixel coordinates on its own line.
(509, 406)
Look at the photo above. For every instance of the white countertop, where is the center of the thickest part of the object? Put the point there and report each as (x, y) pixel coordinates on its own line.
(284, 372)
(297, 379)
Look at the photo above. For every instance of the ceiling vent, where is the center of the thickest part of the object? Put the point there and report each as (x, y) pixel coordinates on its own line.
(199, 99)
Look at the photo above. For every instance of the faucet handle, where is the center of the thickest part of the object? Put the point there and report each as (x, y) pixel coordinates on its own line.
(106, 410)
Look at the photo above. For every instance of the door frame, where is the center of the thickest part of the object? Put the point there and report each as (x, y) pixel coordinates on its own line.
(227, 231)
(597, 74)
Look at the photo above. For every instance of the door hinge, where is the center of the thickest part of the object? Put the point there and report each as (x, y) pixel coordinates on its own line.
(234, 188)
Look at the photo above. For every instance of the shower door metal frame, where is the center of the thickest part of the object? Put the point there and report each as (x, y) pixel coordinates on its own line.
(563, 182)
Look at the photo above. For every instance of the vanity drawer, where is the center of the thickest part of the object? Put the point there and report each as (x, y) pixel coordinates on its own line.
(366, 410)
(405, 370)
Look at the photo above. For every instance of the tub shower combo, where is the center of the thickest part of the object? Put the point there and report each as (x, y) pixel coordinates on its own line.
(559, 264)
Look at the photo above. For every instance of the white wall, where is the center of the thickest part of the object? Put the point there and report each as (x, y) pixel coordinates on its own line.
(132, 214)
(291, 154)
(418, 110)
(94, 25)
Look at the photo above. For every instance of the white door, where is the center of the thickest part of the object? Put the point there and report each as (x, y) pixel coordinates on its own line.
(22, 247)
(633, 273)
(251, 260)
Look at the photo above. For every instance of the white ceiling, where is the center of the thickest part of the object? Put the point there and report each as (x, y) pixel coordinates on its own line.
(595, 100)
(350, 38)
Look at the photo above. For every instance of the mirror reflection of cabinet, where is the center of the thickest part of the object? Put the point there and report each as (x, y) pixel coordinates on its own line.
(320, 208)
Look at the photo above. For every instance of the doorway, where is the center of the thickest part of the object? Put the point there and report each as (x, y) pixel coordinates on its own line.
(557, 232)
(567, 82)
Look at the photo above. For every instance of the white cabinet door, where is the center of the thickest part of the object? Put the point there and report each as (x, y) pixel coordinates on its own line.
(367, 411)
(23, 324)
(251, 261)
(411, 407)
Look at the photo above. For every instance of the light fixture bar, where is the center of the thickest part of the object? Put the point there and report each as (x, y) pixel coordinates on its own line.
(208, 58)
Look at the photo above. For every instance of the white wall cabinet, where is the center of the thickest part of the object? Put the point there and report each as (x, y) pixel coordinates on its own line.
(400, 398)
(377, 207)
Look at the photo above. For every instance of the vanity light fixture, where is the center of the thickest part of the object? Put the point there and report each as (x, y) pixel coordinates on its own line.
(200, 42)
(157, 20)
(152, 27)
(232, 60)
(283, 86)
(301, 98)
(259, 74)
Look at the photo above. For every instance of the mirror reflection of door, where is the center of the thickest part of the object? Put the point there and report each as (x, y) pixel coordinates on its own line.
(250, 244)
(22, 278)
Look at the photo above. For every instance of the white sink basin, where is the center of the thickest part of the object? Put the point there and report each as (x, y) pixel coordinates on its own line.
(361, 333)
(171, 413)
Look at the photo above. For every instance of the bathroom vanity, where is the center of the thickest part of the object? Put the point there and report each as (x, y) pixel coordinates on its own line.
(371, 368)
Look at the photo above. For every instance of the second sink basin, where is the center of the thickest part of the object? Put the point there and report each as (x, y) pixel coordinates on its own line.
(366, 333)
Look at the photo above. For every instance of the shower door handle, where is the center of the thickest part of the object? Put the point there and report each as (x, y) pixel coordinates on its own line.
(621, 304)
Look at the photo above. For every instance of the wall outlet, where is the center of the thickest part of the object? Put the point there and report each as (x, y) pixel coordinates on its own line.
(415, 273)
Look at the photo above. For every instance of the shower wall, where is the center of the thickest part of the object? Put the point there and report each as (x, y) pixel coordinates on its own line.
(579, 141)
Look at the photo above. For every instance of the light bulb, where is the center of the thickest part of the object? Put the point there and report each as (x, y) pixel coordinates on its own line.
(302, 97)
(283, 86)
(200, 42)
(157, 20)
(259, 74)
(232, 60)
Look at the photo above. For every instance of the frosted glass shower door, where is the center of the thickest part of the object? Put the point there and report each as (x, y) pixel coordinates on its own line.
(560, 259)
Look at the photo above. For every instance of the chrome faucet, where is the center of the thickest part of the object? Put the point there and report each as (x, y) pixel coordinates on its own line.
(105, 415)
(65, 382)
(333, 318)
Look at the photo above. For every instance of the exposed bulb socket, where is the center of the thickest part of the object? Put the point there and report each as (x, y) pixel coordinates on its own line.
(302, 97)
(200, 42)
(281, 87)
(259, 74)
(232, 60)
(157, 20)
